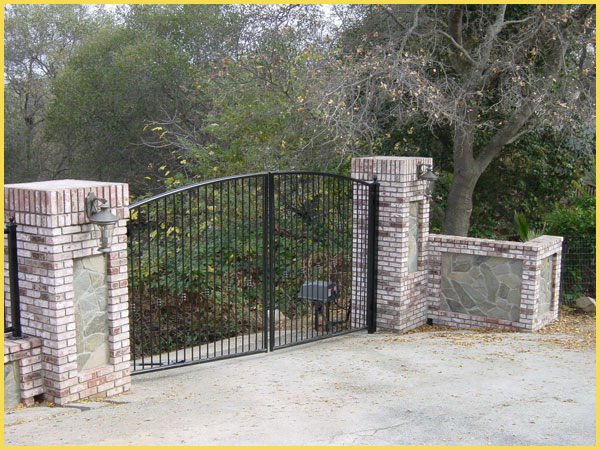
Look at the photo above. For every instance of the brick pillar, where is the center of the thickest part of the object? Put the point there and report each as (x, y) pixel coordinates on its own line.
(401, 266)
(83, 324)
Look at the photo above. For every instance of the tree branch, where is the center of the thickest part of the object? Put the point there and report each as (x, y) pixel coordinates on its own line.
(512, 22)
(458, 47)
(392, 16)
(492, 32)
(455, 23)
(412, 28)
(504, 135)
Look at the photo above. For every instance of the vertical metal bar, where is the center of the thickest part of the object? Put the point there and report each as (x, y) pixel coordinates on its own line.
(271, 261)
(164, 270)
(340, 242)
(256, 262)
(326, 263)
(214, 266)
(207, 288)
(228, 262)
(132, 296)
(235, 264)
(135, 293)
(277, 249)
(284, 226)
(347, 228)
(296, 253)
(243, 262)
(249, 263)
(326, 247)
(221, 265)
(190, 273)
(372, 257)
(265, 255)
(303, 182)
(364, 236)
(169, 317)
(177, 295)
(312, 232)
(13, 264)
(198, 261)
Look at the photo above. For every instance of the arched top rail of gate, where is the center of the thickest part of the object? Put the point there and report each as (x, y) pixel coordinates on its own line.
(239, 177)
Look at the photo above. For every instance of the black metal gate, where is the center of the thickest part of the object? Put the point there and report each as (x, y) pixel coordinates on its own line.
(242, 264)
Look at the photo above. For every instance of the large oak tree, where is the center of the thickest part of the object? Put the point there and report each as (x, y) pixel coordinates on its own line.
(487, 73)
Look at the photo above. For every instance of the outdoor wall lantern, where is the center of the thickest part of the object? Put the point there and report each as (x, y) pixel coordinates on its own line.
(425, 173)
(104, 221)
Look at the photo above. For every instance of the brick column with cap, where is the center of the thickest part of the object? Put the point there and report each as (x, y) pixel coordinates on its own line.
(73, 298)
(402, 239)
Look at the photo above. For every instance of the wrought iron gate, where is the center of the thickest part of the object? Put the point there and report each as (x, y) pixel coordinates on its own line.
(242, 264)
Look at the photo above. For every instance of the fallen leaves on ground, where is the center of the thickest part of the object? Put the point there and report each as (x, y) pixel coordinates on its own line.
(577, 330)
(578, 326)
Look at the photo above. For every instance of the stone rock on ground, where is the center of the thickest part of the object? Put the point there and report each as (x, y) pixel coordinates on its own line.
(587, 304)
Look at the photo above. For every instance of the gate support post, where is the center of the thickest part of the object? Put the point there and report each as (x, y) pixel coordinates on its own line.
(73, 298)
(372, 257)
(403, 229)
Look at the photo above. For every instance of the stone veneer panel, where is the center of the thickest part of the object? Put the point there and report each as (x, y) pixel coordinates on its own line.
(91, 312)
(413, 237)
(545, 302)
(484, 286)
(12, 391)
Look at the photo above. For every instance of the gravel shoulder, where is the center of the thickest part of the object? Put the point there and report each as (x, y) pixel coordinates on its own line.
(432, 386)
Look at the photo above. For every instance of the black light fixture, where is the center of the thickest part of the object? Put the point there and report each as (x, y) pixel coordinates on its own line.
(104, 221)
(425, 173)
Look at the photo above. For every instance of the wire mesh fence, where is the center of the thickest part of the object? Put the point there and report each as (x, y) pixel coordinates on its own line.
(578, 271)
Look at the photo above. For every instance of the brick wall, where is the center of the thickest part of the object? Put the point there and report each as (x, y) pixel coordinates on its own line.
(407, 298)
(401, 296)
(27, 353)
(53, 231)
(530, 253)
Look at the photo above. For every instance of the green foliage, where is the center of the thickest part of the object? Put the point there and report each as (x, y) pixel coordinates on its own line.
(522, 227)
(530, 178)
(38, 42)
(103, 98)
(578, 218)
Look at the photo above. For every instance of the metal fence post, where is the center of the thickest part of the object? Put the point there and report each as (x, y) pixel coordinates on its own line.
(372, 257)
(271, 257)
(13, 265)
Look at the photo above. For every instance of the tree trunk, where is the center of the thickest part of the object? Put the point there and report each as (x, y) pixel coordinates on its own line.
(460, 203)
(460, 198)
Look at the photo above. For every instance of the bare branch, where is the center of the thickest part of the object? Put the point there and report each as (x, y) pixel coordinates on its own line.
(516, 137)
(458, 47)
(412, 28)
(512, 22)
(455, 24)
(392, 16)
(493, 31)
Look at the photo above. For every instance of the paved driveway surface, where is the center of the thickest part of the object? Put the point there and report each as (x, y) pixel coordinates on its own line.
(442, 388)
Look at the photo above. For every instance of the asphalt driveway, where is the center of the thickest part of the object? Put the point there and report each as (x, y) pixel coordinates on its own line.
(434, 388)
